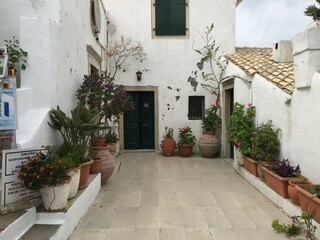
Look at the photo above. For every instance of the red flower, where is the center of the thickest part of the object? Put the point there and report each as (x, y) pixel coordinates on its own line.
(238, 145)
(212, 105)
(249, 104)
(185, 129)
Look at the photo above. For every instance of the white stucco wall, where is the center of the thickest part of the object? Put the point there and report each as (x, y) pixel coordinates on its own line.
(55, 34)
(297, 115)
(170, 61)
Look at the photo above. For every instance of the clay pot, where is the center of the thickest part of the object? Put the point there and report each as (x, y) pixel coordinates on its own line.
(84, 173)
(308, 202)
(293, 192)
(98, 141)
(209, 145)
(112, 147)
(250, 165)
(185, 150)
(74, 184)
(96, 166)
(168, 146)
(55, 198)
(107, 161)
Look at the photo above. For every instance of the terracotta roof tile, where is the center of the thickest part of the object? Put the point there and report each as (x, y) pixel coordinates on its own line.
(259, 60)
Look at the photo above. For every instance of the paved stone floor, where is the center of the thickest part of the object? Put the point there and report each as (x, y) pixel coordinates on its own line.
(151, 197)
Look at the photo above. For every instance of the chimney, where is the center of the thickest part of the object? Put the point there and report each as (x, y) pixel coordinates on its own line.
(282, 52)
(306, 51)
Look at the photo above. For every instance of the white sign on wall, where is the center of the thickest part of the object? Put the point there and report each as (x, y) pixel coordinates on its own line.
(12, 190)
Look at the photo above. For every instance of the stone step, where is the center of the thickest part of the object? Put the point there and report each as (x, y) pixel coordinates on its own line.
(40, 232)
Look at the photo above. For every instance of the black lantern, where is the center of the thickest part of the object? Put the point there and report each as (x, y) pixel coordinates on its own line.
(139, 74)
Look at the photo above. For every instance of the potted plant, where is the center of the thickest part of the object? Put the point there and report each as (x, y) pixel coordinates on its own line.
(16, 55)
(240, 129)
(209, 144)
(309, 197)
(111, 140)
(292, 190)
(277, 176)
(264, 147)
(168, 143)
(186, 142)
(42, 172)
(76, 132)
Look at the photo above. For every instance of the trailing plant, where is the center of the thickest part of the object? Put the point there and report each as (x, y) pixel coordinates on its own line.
(42, 170)
(288, 229)
(265, 142)
(211, 121)
(284, 169)
(77, 129)
(241, 127)
(16, 54)
(299, 224)
(186, 136)
(313, 11)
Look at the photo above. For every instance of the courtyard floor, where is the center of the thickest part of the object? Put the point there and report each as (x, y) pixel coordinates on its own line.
(151, 197)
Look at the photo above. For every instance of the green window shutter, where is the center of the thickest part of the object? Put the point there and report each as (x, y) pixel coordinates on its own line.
(170, 17)
(178, 17)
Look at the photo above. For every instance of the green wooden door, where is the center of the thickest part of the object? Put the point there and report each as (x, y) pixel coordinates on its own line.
(139, 124)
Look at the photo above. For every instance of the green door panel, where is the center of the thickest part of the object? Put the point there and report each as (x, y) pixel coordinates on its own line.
(131, 124)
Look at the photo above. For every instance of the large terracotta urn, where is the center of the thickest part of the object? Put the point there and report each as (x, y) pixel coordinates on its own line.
(209, 145)
(168, 146)
(107, 161)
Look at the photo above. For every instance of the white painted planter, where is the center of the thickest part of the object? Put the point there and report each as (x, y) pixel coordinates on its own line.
(55, 198)
(74, 184)
(239, 157)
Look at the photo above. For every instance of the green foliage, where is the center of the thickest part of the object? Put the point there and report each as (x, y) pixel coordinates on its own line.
(110, 138)
(289, 229)
(211, 121)
(68, 161)
(77, 129)
(313, 11)
(42, 170)
(168, 132)
(265, 143)
(16, 54)
(241, 126)
(186, 136)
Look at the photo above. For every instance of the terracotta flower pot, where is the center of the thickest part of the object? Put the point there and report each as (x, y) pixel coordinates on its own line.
(96, 166)
(308, 202)
(98, 141)
(209, 145)
(168, 146)
(277, 183)
(293, 192)
(185, 150)
(84, 173)
(107, 161)
(112, 147)
(250, 165)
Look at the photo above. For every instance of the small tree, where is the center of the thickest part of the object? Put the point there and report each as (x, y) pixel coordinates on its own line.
(313, 11)
(216, 65)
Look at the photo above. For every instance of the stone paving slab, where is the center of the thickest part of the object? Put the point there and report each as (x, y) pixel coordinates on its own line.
(166, 198)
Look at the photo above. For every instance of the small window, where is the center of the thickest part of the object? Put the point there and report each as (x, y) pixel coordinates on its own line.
(170, 17)
(196, 107)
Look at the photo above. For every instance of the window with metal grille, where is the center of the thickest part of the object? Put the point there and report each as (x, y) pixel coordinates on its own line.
(196, 107)
(170, 17)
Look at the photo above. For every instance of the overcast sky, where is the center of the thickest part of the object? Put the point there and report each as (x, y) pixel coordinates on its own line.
(260, 23)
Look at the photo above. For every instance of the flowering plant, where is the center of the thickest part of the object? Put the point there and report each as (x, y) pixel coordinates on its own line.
(241, 126)
(168, 132)
(42, 170)
(265, 142)
(186, 136)
(211, 121)
(102, 93)
(284, 169)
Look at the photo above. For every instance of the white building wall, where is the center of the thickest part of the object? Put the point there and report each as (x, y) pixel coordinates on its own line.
(55, 34)
(297, 115)
(170, 61)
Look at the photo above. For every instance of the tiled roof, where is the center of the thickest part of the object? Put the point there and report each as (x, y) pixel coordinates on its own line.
(259, 60)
